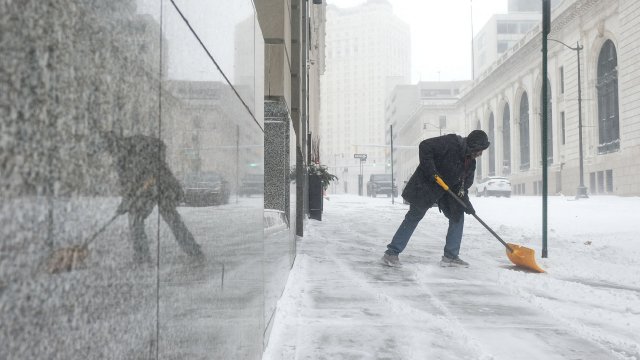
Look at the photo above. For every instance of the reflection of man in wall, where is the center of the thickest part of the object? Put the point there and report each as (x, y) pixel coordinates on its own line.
(145, 180)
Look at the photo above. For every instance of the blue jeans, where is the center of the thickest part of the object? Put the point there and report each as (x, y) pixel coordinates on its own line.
(409, 224)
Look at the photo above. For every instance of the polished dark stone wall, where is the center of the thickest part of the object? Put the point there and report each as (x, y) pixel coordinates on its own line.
(279, 200)
(127, 130)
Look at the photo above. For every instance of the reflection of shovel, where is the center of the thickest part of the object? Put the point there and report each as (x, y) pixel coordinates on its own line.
(519, 255)
(73, 257)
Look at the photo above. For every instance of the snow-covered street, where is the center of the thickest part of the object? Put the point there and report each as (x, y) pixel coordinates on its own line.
(340, 303)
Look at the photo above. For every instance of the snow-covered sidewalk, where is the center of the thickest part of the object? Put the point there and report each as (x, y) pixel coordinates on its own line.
(340, 303)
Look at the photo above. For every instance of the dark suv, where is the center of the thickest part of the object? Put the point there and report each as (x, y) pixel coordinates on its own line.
(381, 184)
(205, 188)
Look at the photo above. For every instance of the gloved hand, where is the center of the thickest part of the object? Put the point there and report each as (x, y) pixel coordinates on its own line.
(469, 209)
(433, 176)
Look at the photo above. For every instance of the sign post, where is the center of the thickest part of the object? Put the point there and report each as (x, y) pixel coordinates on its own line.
(363, 158)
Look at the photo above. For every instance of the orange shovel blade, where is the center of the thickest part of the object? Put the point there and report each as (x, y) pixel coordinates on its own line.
(524, 257)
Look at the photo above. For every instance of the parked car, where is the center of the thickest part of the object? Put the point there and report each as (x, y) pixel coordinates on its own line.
(252, 184)
(494, 186)
(381, 184)
(205, 189)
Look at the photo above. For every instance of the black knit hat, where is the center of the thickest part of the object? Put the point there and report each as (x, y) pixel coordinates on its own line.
(477, 140)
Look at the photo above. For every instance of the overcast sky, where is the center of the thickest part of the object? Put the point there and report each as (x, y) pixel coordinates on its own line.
(440, 33)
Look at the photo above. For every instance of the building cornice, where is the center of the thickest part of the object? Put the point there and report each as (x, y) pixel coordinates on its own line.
(527, 46)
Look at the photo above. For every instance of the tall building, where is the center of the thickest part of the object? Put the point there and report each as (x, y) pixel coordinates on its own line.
(367, 53)
(503, 31)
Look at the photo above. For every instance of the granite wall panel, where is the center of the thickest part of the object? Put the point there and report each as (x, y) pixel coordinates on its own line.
(73, 74)
(123, 146)
(279, 202)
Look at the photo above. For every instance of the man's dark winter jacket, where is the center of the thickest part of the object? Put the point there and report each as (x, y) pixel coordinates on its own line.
(143, 174)
(446, 156)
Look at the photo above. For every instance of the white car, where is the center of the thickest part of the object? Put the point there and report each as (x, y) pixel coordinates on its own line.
(494, 185)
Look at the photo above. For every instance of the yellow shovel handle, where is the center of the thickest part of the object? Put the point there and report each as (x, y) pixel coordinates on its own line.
(441, 183)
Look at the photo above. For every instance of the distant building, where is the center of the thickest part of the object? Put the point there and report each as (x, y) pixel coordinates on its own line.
(502, 31)
(367, 53)
(418, 112)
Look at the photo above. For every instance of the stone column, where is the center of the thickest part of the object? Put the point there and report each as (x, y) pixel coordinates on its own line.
(276, 155)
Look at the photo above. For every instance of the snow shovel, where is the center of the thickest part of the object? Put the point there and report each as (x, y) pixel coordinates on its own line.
(519, 255)
(73, 257)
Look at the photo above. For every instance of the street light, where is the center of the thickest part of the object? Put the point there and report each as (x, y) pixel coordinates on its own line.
(581, 192)
(424, 126)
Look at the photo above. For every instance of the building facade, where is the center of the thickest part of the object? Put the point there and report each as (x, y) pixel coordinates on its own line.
(368, 52)
(600, 104)
(510, 112)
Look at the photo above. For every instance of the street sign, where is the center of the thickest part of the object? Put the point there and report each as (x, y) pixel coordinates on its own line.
(362, 157)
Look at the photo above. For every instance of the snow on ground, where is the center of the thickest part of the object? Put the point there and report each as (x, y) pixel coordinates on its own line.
(340, 303)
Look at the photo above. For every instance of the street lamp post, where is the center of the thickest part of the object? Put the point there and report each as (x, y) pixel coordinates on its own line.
(430, 124)
(581, 191)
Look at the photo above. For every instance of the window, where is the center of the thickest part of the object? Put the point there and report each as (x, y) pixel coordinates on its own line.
(524, 132)
(478, 162)
(561, 80)
(563, 128)
(502, 46)
(600, 182)
(607, 87)
(443, 121)
(492, 149)
(506, 141)
(524, 27)
(592, 182)
(609, 176)
(507, 28)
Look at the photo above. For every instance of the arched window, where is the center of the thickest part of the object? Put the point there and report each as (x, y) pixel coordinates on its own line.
(607, 86)
(549, 123)
(524, 132)
(478, 160)
(506, 141)
(492, 148)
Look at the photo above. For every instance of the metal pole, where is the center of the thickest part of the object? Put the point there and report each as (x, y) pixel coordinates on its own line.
(361, 181)
(546, 22)
(582, 190)
(392, 180)
(335, 171)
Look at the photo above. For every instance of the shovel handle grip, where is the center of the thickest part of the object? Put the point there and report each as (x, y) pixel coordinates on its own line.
(441, 182)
